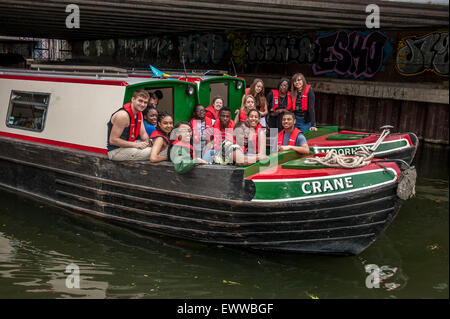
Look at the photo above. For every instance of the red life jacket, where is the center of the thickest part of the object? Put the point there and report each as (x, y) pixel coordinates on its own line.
(304, 99)
(292, 137)
(211, 113)
(135, 128)
(242, 116)
(195, 133)
(255, 138)
(183, 144)
(218, 136)
(156, 134)
(276, 101)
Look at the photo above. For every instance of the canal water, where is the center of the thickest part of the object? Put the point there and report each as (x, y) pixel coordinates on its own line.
(39, 243)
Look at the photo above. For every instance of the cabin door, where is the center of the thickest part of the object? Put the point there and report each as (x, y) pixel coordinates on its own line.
(220, 88)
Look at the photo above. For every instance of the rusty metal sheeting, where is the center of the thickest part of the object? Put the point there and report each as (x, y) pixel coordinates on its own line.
(136, 18)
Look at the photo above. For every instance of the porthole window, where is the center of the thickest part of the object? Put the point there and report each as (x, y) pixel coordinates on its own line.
(27, 110)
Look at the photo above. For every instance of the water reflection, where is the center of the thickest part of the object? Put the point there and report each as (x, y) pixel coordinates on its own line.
(40, 271)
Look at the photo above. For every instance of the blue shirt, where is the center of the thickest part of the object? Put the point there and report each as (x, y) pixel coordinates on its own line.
(149, 128)
(301, 139)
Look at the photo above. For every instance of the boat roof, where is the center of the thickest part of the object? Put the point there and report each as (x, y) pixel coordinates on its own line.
(79, 75)
(106, 74)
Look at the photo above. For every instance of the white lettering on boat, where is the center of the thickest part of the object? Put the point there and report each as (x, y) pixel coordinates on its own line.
(341, 151)
(324, 186)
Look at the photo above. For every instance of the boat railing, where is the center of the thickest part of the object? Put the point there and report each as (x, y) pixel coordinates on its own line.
(78, 68)
(95, 71)
(181, 72)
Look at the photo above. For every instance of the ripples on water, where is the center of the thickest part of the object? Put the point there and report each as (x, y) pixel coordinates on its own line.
(38, 242)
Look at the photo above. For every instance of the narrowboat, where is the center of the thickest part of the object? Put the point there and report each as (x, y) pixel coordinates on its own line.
(53, 148)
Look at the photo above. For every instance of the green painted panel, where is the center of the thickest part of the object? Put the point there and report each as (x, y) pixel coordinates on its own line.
(300, 164)
(273, 160)
(323, 130)
(315, 187)
(350, 150)
(183, 104)
(344, 137)
(234, 94)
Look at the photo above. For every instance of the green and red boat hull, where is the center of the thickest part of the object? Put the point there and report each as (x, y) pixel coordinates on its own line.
(401, 146)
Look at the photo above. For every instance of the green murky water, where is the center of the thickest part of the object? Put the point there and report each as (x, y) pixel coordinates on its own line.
(38, 242)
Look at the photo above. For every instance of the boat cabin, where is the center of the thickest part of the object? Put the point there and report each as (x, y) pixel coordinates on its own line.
(64, 108)
(209, 83)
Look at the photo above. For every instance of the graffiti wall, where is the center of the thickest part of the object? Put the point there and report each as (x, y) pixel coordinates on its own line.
(353, 54)
(416, 55)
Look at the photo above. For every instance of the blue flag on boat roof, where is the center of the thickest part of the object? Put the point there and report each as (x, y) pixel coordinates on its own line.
(159, 74)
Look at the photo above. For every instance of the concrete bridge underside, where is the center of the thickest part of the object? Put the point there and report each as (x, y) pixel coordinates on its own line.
(135, 18)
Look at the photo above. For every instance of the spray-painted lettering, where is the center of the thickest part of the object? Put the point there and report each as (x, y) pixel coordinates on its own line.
(202, 49)
(280, 49)
(428, 53)
(352, 54)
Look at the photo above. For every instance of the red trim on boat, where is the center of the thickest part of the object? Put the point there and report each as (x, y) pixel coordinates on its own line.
(64, 80)
(55, 143)
(322, 141)
(139, 76)
(288, 173)
(190, 79)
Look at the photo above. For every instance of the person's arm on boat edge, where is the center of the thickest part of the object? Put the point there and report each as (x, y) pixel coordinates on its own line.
(120, 121)
(302, 149)
(240, 159)
(182, 160)
(301, 145)
(158, 146)
(143, 134)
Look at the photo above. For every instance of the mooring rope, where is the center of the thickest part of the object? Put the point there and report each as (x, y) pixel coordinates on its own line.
(363, 156)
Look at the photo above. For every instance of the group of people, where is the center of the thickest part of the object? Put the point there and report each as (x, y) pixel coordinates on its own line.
(138, 131)
(294, 95)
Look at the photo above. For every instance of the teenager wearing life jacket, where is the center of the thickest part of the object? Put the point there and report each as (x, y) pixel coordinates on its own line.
(248, 103)
(257, 90)
(150, 115)
(291, 138)
(303, 100)
(279, 101)
(221, 130)
(124, 128)
(199, 124)
(233, 152)
(212, 111)
(181, 152)
(257, 138)
(160, 138)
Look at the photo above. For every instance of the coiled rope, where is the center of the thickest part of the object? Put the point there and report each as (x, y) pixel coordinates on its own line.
(363, 155)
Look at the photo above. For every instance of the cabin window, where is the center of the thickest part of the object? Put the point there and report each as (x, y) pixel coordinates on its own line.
(219, 89)
(165, 101)
(27, 110)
